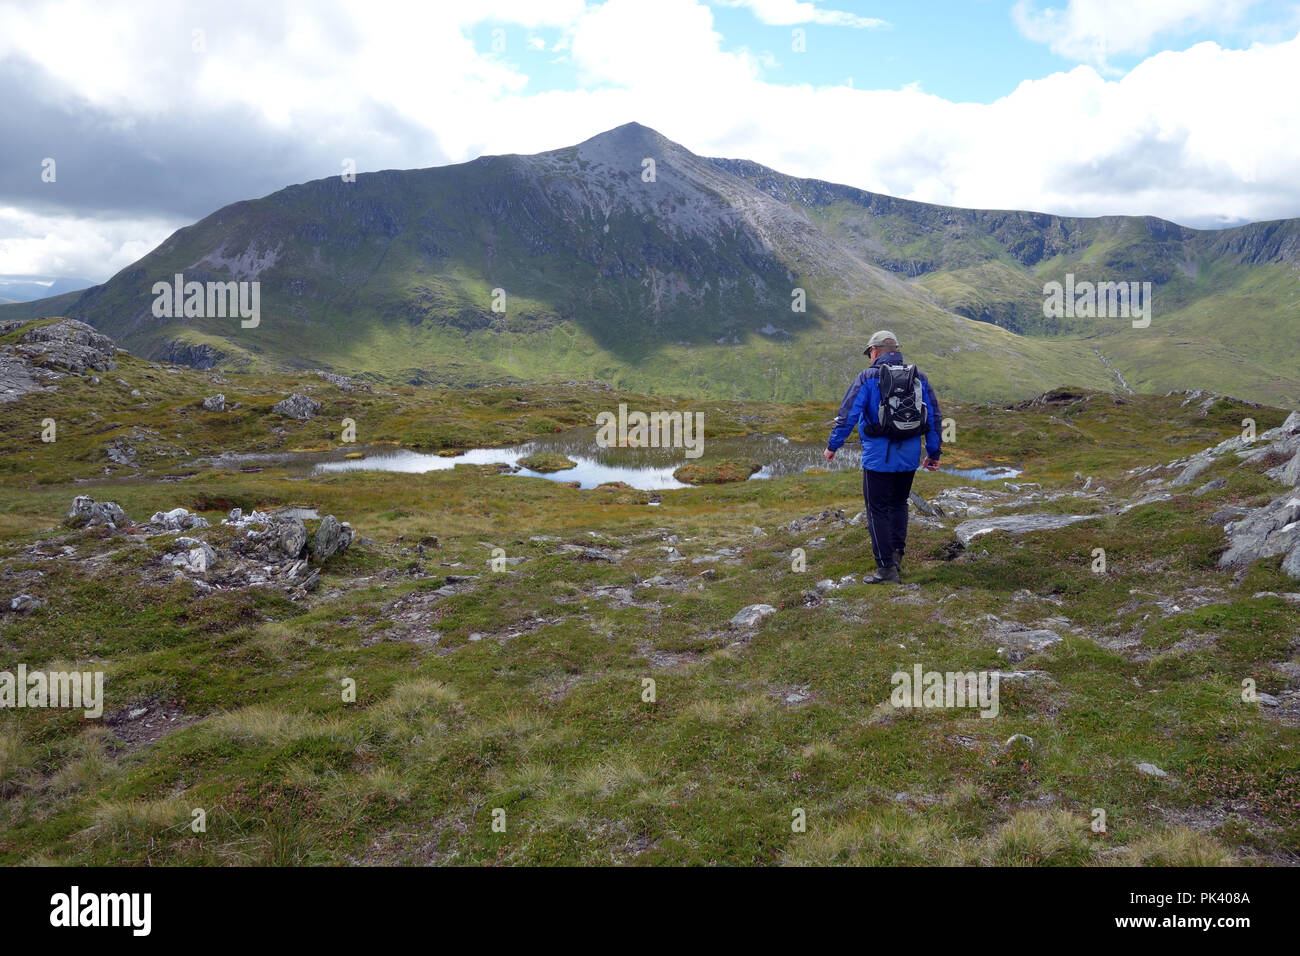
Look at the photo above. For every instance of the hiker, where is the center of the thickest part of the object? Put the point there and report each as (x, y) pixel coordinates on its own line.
(893, 406)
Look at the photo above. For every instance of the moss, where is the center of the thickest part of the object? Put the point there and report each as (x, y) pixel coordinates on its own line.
(523, 688)
(547, 462)
(715, 472)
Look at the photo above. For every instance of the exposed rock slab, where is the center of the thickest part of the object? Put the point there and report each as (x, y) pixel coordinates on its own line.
(751, 615)
(1015, 524)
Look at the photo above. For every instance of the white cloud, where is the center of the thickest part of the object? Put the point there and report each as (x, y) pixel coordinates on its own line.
(668, 45)
(785, 13)
(1094, 31)
(70, 245)
(1197, 135)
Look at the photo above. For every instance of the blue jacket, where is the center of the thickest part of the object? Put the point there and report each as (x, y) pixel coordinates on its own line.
(859, 408)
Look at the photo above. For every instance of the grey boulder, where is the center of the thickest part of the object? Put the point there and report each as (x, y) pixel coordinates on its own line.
(331, 538)
(178, 519)
(25, 603)
(297, 406)
(86, 512)
(752, 615)
(288, 534)
(1191, 472)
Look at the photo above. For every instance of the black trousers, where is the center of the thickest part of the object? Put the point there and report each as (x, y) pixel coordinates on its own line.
(885, 494)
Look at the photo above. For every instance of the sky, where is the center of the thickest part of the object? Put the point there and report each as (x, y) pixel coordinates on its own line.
(122, 122)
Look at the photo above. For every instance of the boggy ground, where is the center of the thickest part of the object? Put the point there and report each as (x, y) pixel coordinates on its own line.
(520, 686)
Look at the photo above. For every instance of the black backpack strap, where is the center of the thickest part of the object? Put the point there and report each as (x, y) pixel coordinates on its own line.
(869, 429)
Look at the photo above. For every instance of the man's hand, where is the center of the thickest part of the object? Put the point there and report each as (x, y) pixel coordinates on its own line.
(931, 464)
(829, 455)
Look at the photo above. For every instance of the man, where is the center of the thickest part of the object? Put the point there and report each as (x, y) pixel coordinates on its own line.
(891, 450)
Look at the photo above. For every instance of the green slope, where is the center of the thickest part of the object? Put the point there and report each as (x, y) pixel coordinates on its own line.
(685, 284)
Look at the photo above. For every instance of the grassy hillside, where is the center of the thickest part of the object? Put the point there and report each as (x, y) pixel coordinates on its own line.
(522, 690)
(685, 284)
(1226, 302)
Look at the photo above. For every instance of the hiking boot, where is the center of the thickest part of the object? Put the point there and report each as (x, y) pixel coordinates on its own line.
(885, 575)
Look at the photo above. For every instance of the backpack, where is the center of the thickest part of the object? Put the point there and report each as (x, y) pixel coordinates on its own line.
(902, 412)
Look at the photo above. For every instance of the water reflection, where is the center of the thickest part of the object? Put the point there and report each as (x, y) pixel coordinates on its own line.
(649, 469)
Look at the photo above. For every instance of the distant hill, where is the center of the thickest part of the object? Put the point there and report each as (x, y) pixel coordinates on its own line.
(27, 288)
(683, 281)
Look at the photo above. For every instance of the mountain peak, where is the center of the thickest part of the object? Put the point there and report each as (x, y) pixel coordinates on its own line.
(632, 136)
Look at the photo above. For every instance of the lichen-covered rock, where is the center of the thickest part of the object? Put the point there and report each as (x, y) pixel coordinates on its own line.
(1020, 639)
(342, 382)
(69, 345)
(16, 378)
(1015, 524)
(925, 507)
(1291, 563)
(25, 604)
(1292, 425)
(751, 615)
(289, 534)
(121, 453)
(199, 559)
(215, 403)
(87, 512)
(1263, 532)
(178, 519)
(270, 550)
(297, 406)
(331, 538)
(1191, 472)
(201, 357)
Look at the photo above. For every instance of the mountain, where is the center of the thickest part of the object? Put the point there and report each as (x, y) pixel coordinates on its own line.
(683, 281)
(28, 288)
(1226, 301)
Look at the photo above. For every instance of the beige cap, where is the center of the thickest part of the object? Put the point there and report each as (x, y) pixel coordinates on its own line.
(883, 337)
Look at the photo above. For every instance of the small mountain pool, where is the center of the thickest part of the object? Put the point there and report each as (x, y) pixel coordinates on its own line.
(649, 469)
(997, 473)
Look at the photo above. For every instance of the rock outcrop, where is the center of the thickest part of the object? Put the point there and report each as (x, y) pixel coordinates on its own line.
(1015, 524)
(297, 406)
(201, 357)
(1265, 533)
(86, 512)
(68, 345)
(1274, 528)
(342, 382)
(750, 616)
(178, 519)
(331, 538)
(45, 353)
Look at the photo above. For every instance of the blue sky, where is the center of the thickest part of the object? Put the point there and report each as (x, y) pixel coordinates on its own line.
(961, 50)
